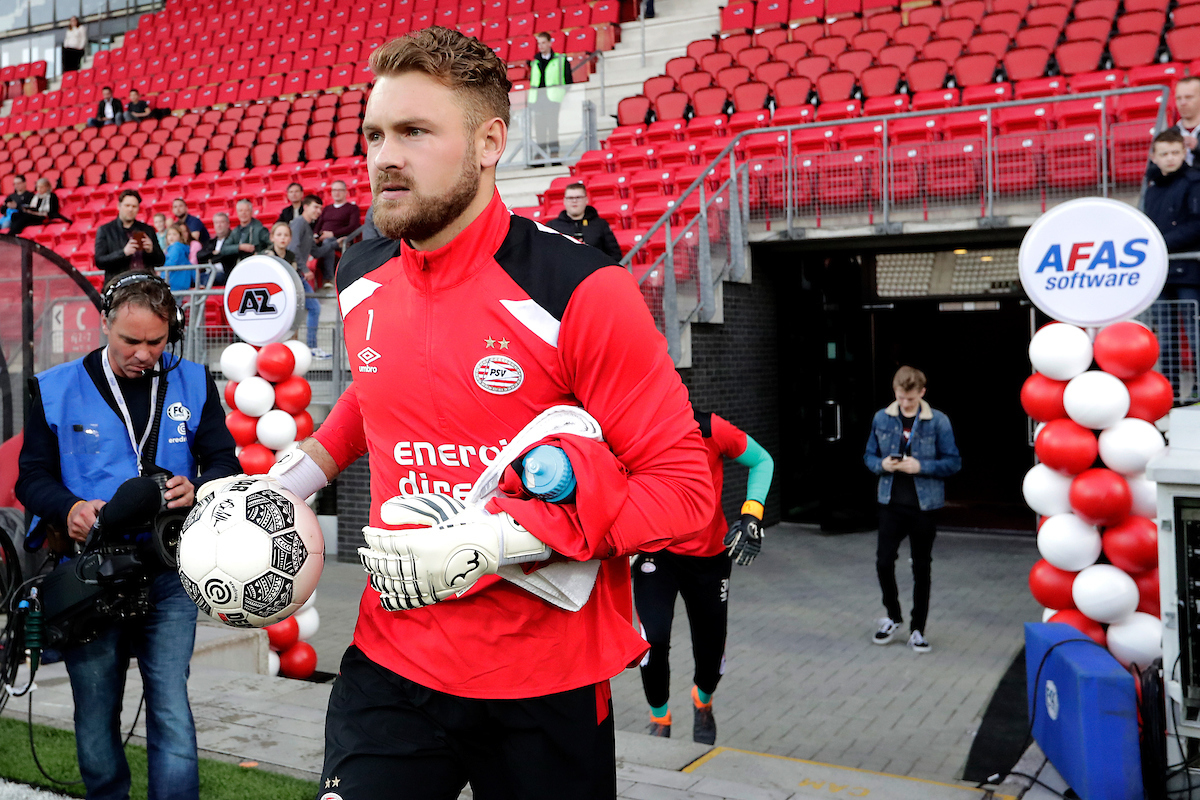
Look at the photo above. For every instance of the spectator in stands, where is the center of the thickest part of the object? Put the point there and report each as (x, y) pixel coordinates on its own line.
(136, 109)
(73, 46)
(212, 253)
(305, 243)
(41, 208)
(160, 229)
(178, 256)
(300, 243)
(127, 243)
(580, 220)
(1187, 103)
(194, 224)
(295, 195)
(10, 210)
(1172, 200)
(548, 74)
(249, 237)
(337, 221)
(109, 110)
(20, 192)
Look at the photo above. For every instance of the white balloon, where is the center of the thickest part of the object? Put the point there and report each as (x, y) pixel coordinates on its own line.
(273, 663)
(303, 355)
(1047, 613)
(254, 397)
(1145, 495)
(1096, 399)
(1060, 351)
(276, 429)
(1128, 446)
(1047, 492)
(239, 361)
(308, 603)
(1068, 542)
(1104, 593)
(1136, 640)
(309, 622)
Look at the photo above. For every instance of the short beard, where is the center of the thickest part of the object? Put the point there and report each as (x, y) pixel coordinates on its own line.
(430, 215)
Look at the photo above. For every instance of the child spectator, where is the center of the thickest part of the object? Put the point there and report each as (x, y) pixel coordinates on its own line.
(10, 210)
(281, 237)
(178, 255)
(160, 230)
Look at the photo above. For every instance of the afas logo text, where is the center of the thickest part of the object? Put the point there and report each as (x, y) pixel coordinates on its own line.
(1092, 265)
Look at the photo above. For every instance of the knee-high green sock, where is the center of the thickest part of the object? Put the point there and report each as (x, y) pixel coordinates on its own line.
(704, 697)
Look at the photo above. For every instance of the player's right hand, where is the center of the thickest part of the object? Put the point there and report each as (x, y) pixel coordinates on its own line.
(744, 540)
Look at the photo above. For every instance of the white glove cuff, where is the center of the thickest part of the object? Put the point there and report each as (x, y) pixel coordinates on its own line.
(299, 474)
(517, 545)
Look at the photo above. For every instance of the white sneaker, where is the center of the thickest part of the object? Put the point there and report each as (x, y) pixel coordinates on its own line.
(319, 353)
(887, 631)
(918, 642)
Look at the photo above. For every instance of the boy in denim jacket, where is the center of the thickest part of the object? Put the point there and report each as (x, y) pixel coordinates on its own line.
(911, 448)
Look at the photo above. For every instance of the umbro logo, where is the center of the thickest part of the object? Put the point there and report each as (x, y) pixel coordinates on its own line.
(367, 355)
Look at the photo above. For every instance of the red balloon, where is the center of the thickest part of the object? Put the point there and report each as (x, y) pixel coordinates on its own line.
(1088, 627)
(276, 362)
(256, 459)
(283, 634)
(1041, 521)
(1125, 349)
(1150, 396)
(1067, 446)
(304, 425)
(298, 661)
(1147, 583)
(293, 394)
(230, 388)
(1051, 586)
(243, 428)
(1100, 497)
(1133, 544)
(1042, 397)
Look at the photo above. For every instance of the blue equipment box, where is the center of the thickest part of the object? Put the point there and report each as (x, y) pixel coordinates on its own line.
(1086, 712)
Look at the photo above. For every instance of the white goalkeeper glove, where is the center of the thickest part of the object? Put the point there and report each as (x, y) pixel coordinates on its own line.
(455, 546)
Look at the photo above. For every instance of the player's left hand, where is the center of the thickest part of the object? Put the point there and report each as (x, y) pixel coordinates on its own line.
(744, 540)
(180, 492)
(910, 465)
(453, 547)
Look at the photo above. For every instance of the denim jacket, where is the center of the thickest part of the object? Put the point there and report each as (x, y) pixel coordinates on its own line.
(931, 443)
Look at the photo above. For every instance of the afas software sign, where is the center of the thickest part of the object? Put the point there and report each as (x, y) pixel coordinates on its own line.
(1093, 261)
(263, 299)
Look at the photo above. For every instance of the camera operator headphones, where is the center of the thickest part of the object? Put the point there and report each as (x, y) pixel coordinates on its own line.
(175, 320)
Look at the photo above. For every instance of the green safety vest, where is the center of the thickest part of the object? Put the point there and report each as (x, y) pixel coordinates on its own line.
(552, 79)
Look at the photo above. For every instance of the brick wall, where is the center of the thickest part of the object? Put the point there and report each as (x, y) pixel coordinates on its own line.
(733, 374)
(353, 505)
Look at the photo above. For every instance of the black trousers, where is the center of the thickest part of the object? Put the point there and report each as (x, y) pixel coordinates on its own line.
(703, 581)
(71, 59)
(895, 524)
(386, 736)
(22, 220)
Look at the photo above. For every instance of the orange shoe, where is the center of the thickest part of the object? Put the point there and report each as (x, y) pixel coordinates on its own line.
(660, 726)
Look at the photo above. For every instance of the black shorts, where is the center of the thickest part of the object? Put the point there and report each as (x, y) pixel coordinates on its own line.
(386, 736)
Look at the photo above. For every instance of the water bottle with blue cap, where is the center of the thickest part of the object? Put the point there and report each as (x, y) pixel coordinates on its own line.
(547, 474)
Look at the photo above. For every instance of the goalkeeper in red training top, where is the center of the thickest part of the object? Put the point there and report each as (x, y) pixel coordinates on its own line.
(698, 569)
(463, 325)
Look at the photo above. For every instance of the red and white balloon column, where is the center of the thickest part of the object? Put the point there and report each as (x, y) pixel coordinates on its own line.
(269, 398)
(1096, 533)
(291, 655)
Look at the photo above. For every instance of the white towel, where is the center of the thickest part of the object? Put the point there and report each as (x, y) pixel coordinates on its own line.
(567, 585)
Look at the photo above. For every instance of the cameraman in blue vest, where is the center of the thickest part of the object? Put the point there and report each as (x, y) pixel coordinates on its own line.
(125, 410)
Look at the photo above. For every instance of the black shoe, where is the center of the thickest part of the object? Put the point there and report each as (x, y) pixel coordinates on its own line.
(662, 729)
(704, 726)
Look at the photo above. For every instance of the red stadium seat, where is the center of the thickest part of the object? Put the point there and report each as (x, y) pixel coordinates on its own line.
(1132, 50)
(846, 28)
(1081, 29)
(960, 29)
(914, 130)
(861, 135)
(1054, 16)
(731, 77)
(899, 55)
(792, 92)
(656, 85)
(812, 67)
(750, 96)
(916, 35)
(1039, 87)
(1079, 113)
(1017, 160)
(689, 83)
(830, 47)
(846, 109)
(1184, 42)
(855, 61)
(1021, 119)
(671, 105)
(987, 93)
(737, 16)
(1134, 6)
(887, 104)
(751, 57)
(1155, 74)
(994, 44)
(953, 170)
(935, 99)
(925, 76)
(879, 81)
(1182, 17)
(679, 66)
(1073, 159)
(713, 63)
(710, 101)
(834, 87)
(965, 125)
(746, 120)
(1024, 63)
(888, 22)
(1096, 81)
(975, 70)
(772, 72)
(873, 41)
(804, 11)
(929, 16)
(1130, 141)
(1138, 107)
(1142, 22)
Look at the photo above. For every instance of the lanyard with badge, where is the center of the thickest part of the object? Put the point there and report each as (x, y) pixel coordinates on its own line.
(124, 408)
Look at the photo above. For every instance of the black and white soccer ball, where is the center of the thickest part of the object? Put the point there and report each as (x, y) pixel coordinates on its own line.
(251, 553)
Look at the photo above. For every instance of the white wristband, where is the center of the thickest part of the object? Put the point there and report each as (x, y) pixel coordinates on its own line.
(517, 545)
(299, 474)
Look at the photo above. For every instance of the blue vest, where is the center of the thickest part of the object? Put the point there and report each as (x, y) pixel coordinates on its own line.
(94, 450)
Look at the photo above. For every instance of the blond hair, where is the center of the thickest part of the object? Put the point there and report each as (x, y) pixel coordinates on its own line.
(463, 64)
(909, 379)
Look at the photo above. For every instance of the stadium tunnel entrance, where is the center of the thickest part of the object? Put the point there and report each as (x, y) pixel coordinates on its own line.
(849, 313)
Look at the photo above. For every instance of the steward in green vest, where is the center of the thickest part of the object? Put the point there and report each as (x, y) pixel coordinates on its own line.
(549, 74)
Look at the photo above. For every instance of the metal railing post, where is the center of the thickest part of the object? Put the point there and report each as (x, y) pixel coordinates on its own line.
(708, 303)
(789, 193)
(670, 304)
(989, 180)
(603, 102)
(1104, 146)
(886, 179)
(737, 253)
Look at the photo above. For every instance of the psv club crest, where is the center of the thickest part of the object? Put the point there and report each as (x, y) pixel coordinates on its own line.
(498, 374)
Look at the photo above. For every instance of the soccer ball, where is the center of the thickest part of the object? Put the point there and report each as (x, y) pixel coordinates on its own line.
(250, 553)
